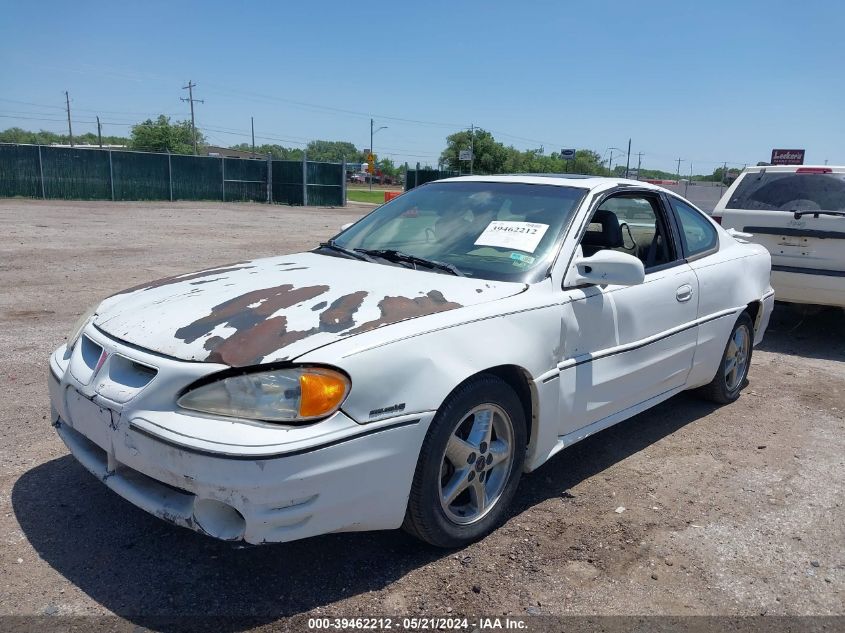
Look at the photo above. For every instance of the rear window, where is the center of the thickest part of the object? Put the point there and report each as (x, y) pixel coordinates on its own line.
(789, 191)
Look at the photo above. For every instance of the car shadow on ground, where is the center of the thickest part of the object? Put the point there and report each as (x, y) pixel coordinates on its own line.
(147, 571)
(808, 331)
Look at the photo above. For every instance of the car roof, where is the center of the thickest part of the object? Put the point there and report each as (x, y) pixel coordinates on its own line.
(561, 180)
(791, 168)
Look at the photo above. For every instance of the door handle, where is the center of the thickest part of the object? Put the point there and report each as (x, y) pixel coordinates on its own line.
(684, 293)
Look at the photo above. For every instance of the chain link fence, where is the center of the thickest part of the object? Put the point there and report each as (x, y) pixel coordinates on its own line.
(62, 173)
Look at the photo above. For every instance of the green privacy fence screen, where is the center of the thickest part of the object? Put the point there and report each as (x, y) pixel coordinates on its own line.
(417, 177)
(68, 173)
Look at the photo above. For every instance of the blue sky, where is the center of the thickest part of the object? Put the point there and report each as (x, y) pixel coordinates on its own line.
(706, 82)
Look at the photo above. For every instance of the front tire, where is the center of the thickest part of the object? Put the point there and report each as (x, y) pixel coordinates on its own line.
(736, 361)
(469, 465)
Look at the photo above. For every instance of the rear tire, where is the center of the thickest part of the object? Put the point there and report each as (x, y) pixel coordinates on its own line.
(736, 361)
(469, 465)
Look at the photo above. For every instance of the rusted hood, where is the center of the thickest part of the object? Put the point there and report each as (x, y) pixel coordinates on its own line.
(281, 307)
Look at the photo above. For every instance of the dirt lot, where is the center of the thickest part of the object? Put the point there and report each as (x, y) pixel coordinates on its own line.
(734, 510)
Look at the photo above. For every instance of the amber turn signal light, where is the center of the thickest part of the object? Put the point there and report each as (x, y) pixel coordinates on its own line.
(323, 391)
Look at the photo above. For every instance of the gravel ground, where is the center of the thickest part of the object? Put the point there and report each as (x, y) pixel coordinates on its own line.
(735, 510)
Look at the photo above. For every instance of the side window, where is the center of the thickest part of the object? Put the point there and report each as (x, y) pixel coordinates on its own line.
(632, 224)
(697, 233)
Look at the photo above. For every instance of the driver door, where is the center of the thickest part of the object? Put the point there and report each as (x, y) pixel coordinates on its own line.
(625, 346)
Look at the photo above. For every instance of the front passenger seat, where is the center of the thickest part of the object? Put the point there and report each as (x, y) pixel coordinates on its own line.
(610, 235)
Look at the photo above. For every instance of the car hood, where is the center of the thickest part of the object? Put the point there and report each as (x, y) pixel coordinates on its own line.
(281, 307)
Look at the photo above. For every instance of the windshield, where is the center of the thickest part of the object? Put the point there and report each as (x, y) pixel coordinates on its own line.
(788, 191)
(500, 231)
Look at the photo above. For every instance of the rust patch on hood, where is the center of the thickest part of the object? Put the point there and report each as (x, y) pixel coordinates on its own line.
(248, 347)
(257, 336)
(245, 312)
(185, 277)
(395, 309)
(340, 314)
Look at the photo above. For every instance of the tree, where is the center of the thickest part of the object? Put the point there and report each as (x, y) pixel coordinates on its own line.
(333, 152)
(490, 155)
(387, 167)
(587, 161)
(277, 152)
(322, 151)
(163, 136)
(43, 137)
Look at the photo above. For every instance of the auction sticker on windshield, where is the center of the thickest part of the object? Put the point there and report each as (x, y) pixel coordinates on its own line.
(520, 236)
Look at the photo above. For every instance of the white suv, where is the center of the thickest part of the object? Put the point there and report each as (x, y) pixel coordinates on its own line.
(798, 213)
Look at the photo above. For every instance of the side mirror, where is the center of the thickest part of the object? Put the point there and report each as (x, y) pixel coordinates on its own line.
(606, 267)
(346, 226)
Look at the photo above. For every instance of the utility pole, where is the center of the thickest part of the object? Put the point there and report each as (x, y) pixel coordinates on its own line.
(678, 174)
(628, 160)
(373, 131)
(69, 128)
(190, 88)
(686, 187)
(99, 132)
(471, 147)
(252, 125)
(639, 163)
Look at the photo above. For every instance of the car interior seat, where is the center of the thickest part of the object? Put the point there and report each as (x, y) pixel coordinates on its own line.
(610, 235)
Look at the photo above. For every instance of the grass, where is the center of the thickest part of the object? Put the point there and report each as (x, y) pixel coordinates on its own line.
(362, 195)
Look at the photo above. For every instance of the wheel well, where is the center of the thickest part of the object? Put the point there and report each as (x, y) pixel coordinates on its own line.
(521, 383)
(753, 310)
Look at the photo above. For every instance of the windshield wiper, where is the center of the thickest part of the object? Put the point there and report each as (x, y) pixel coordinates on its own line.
(797, 214)
(398, 256)
(355, 254)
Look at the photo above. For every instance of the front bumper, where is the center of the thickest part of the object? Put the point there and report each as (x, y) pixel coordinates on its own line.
(816, 287)
(350, 477)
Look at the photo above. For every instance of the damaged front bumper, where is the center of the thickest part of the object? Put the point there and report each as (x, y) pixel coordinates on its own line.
(231, 479)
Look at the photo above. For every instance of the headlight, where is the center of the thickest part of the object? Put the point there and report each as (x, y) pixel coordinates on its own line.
(282, 395)
(80, 325)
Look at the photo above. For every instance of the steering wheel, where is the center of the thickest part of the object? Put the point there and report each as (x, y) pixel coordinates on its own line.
(634, 246)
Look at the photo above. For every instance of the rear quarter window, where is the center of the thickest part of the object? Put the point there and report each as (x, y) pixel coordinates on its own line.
(697, 233)
(789, 191)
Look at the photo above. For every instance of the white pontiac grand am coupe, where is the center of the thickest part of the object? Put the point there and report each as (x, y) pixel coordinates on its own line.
(408, 371)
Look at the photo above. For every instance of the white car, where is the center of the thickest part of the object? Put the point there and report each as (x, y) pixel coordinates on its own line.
(407, 372)
(798, 213)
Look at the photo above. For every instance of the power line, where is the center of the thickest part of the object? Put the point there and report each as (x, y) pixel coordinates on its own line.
(40, 105)
(245, 94)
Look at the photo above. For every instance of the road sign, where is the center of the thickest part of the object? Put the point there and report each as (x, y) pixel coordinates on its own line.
(567, 154)
(787, 157)
(465, 154)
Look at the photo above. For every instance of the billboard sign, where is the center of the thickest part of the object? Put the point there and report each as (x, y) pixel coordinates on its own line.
(465, 154)
(787, 157)
(567, 154)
